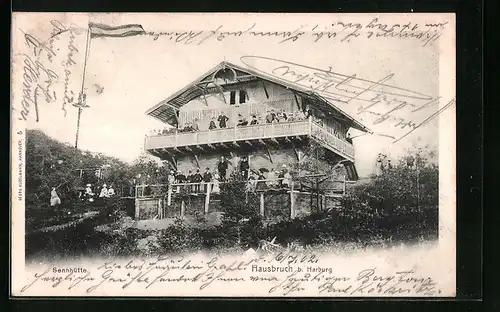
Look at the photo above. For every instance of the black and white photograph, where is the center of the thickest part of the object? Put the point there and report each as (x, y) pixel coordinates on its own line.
(233, 155)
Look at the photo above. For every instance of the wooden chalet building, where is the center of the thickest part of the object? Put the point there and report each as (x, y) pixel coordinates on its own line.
(243, 93)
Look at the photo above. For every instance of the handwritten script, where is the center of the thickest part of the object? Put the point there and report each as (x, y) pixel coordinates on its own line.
(43, 66)
(337, 31)
(285, 274)
(377, 100)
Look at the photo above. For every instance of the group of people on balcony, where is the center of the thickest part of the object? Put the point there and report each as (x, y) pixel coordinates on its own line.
(222, 121)
(198, 182)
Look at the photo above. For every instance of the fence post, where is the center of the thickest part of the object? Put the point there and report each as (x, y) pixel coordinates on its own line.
(137, 212)
(262, 204)
(169, 198)
(310, 125)
(292, 201)
(207, 198)
(183, 208)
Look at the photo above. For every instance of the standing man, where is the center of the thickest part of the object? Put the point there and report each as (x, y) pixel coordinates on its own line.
(269, 117)
(348, 137)
(197, 178)
(244, 166)
(190, 180)
(181, 178)
(207, 178)
(222, 167)
(222, 120)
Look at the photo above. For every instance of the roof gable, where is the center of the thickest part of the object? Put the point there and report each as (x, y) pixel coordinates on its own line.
(167, 109)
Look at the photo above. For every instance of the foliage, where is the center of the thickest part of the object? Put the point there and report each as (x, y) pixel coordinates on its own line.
(180, 238)
(236, 203)
(241, 221)
(385, 210)
(50, 163)
(410, 186)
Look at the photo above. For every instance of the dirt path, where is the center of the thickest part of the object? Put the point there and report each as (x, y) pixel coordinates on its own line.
(54, 228)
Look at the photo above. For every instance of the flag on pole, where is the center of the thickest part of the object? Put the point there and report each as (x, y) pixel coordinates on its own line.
(100, 30)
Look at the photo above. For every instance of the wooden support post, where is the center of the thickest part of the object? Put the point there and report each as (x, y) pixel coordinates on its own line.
(169, 196)
(197, 161)
(323, 202)
(295, 151)
(159, 208)
(292, 201)
(269, 154)
(262, 204)
(207, 198)
(265, 89)
(343, 186)
(137, 212)
(183, 208)
(297, 101)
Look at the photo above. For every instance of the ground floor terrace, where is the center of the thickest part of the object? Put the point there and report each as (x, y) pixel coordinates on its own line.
(276, 201)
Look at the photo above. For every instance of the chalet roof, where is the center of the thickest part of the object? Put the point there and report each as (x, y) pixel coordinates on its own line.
(166, 110)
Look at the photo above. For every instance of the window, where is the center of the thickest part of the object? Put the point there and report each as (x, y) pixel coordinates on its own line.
(232, 98)
(243, 96)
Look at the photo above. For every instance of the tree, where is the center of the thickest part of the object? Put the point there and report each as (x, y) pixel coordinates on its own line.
(411, 186)
(50, 163)
(241, 210)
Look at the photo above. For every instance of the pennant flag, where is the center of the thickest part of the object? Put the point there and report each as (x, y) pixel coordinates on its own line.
(100, 30)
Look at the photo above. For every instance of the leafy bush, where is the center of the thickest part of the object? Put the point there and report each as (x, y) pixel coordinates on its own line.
(180, 237)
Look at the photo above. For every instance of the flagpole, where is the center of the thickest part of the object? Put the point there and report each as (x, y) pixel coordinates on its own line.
(81, 96)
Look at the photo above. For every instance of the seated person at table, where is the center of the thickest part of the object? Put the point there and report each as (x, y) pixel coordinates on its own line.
(254, 120)
(212, 124)
(195, 126)
(242, 121)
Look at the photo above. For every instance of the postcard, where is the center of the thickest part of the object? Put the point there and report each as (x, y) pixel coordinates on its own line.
(233, 155)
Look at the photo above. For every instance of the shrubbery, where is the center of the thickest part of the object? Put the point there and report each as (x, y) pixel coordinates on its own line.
(400, 205)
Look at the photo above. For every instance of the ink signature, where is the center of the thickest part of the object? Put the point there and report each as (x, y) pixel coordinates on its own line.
(302, 277)
(38, 79)
(343, 31)
(32, 71)
(387, 103)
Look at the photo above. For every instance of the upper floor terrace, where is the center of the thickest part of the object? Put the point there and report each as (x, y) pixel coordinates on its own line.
(249, 136)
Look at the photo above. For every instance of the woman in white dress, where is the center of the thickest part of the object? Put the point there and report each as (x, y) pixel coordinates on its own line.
(111, 191)
(215, 183)
(272, 179)
(104, 192)
(54, 198)
(286, 179)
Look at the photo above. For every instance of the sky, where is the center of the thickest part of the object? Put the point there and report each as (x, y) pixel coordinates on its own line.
(126, 76)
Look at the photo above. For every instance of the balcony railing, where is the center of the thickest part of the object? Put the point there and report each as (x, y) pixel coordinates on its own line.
(255, 132)
(343, 148)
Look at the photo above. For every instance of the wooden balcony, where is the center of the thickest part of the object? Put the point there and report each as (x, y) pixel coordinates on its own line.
(257, 134)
